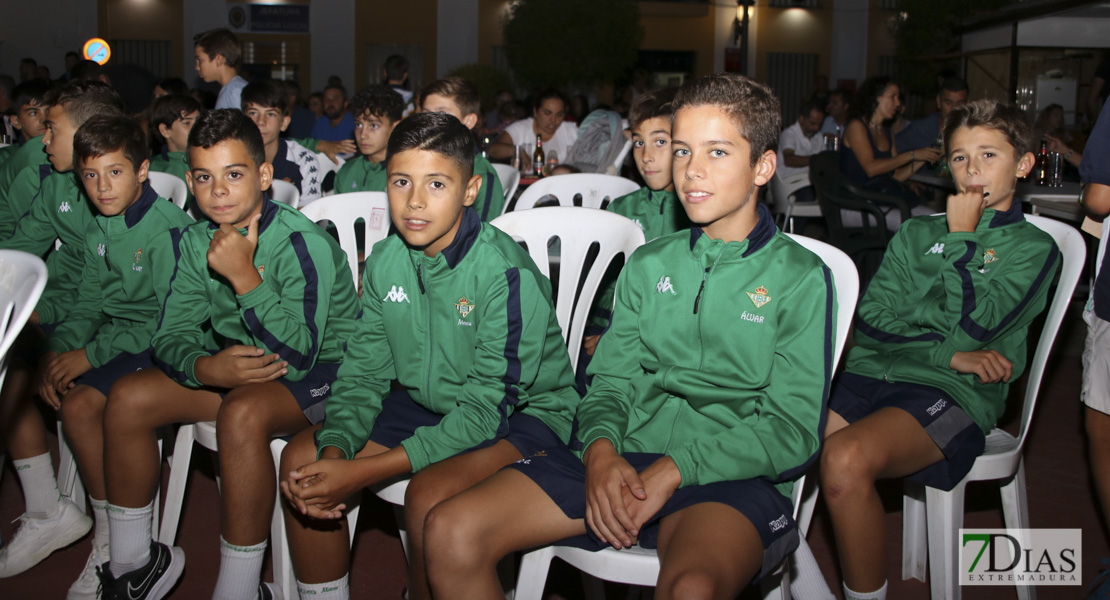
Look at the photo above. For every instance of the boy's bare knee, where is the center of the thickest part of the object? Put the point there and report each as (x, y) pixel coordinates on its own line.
(421, 495)
(82, 406)
(240, 416)
(451, 541)
(298, 452)
(695, 584)
(844, 466)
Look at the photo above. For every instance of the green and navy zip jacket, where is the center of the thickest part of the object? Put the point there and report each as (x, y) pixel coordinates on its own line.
(360, 175)
(719, 355)
(176, 164)
(937, 293)
(59, 210)
(470, 334)
(491, 196)
(303, 311)
(20, 179)
(658, 213)
(128, 261)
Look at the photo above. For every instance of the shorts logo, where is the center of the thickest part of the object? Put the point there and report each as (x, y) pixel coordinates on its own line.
(665, 286)
(396, 294)
(759, 296)
(101, 249)
(779, 523)
(138, 257)
(64, 207)
(937, 407)
(938, 248)
(320, 391)
(464, 307)
(528, 460)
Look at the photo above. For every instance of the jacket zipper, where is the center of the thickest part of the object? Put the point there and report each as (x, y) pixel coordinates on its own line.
(431, 337)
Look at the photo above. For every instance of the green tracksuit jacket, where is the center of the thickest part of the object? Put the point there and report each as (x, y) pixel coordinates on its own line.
(7, 152)
(491, 196)
(175, 164)
(20, 178)
(470, 334)
(719, 355)
(58, 211)
(303, 310)
(658, 213)
(128, 262)
(937, 293)
(360, 175)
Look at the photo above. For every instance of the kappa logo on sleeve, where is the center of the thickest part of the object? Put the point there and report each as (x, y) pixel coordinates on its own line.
(64, 207)
(396, 294)
(938, 248)
(665, 286)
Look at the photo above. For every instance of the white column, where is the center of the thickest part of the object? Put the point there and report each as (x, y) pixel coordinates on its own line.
(456, 34)
(332, 24)
(849, 41)
(724, 28)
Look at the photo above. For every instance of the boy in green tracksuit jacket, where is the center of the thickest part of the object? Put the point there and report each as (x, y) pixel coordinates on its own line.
(172, 117)
(128, 259)
(275, 287)
(940, 333)
(709, 386)
(19, 184)
(458, 314)
(377, 109)
(460, 99)
(654, 207)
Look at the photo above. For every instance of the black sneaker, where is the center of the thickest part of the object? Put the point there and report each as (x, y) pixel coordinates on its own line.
(267, 591)
(151, 582)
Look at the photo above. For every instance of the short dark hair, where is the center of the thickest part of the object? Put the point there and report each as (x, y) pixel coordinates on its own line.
(751, 105)
(378, 101)
(168, 109)
(952, 84)
(866, 101)
(546, 95)
(395, 67)
(173, 85)
(28, 61)
(337, 86)
(460, 91)
(108, 133)
(844, 94)
(220, 42)
(809, 106)
(29, 92)
(651, 104)
(267, 94)
(217, 126)
(82, 100)
(1004, 118)
(434, 132)
(87, 70)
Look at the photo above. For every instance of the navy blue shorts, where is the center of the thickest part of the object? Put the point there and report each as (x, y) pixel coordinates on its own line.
(562, 476)
(401, 416)
(953, 431)
(102, 378)
(312, 391)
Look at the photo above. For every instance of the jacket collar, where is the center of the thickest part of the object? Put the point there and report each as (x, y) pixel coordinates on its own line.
(465, 237)
(138, 210)
(762, 233)
(1002, 218)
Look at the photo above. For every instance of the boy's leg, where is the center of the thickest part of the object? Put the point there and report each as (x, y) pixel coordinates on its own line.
(707, 550)
(436, 483)
(468, 534)
(249, 417)
(887, 443)
(1098, 439)
(83, 424)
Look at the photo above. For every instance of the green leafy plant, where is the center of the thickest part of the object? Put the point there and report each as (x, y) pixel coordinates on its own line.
(561, 42)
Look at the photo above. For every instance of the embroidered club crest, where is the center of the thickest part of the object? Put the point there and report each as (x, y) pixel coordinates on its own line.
(261, 270)
(138, 255)
(989, 257)
(759, 296)
(464, 307)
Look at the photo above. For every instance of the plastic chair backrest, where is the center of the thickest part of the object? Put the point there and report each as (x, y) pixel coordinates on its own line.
(782, 190)
(285, 192)
(170, 187)
(845, 281)
(344, 210)
(22, 279)
(588, 190)
(1073, 255)
(510, 179)
(577, 229)
(327, 165)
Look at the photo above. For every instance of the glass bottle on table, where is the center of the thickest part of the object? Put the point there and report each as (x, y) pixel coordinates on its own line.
(1042, 164)
(537, 158)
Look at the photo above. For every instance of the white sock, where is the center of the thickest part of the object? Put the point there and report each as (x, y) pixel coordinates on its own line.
(332, 590)
(100, 519)
(806, 579)
(879, 594)
(240, 571)
(130, 534)
(40, 487)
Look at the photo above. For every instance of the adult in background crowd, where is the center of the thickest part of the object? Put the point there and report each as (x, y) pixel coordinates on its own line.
(549, 111)
(925, 132)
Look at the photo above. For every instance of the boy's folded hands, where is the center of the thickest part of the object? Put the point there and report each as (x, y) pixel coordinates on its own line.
(58, 372)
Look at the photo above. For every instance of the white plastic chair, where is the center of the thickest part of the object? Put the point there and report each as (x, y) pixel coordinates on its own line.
(577, 229)
(170, 187)
(639, 566)
(943, 512)
(510, 180)
(285, 192)
(782, 195)
(619, 162)
(344, 210)
(327, 165)
(595, 191)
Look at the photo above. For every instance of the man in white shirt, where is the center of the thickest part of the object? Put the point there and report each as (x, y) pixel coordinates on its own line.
(800, 141)
(548, 113)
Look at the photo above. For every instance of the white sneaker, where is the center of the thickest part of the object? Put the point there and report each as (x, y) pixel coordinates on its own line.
(87, 586)
(39, 538)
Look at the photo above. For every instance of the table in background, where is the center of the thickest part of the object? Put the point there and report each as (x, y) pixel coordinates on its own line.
(1056, 202)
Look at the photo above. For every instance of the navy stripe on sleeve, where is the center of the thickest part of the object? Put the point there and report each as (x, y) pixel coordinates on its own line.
(977, 331)
(894, 338)
(297, 360)
(514, 330)
(170, 370)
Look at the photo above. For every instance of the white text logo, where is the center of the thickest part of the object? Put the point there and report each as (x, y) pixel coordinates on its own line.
(396, 294)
